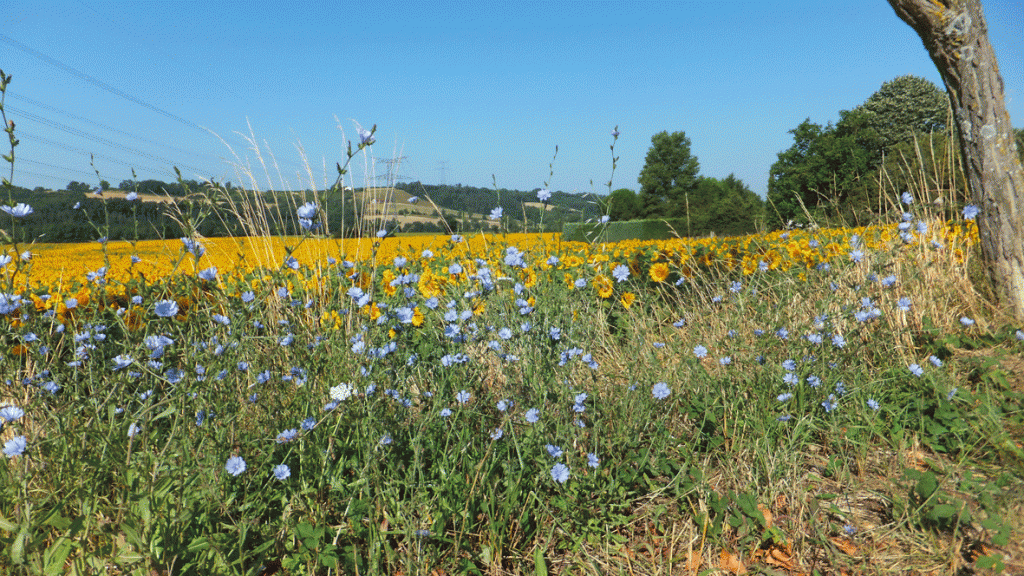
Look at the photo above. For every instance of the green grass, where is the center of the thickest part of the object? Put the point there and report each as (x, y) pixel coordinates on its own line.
(387, 481)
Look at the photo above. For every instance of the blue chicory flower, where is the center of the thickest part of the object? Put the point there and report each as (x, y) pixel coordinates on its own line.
(661, 391)
(281, 471)
(620, 273)
(235, 465)
(19, 210)
(560, 473)
(164, 308)
(15, 446)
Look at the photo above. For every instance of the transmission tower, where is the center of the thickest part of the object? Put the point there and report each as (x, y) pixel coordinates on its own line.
(392, 164)
(442, 167)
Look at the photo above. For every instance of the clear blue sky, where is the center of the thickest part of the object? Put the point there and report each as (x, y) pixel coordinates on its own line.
(460, 90)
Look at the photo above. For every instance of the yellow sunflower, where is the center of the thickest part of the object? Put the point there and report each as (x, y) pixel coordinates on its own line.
(627, 299)
(604, 286)
(658, 271)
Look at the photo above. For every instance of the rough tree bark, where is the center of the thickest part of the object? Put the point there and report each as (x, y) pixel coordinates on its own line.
(956, 37)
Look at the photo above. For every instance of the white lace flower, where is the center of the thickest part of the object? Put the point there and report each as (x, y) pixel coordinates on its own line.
(341, 392)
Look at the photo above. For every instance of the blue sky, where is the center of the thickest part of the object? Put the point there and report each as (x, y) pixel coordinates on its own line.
(459, 91)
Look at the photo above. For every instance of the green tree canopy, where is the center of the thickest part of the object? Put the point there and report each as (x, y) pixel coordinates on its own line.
(725, 207)
(623, 204)
(79, 187)
(906, 106)
(832, 172)
(668, 175)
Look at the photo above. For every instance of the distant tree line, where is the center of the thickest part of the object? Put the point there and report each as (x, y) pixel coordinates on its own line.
(79, 214)
(850, 172)
(66, 216)
(518, 207)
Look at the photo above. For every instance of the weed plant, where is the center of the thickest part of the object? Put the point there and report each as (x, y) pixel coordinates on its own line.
(828, 401)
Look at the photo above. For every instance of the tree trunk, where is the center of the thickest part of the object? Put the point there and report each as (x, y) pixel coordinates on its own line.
(956, 37)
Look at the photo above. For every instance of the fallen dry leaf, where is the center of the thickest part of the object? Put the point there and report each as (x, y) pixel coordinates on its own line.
(767, 515)
(694, 560)
(845, 545)
(781, 558)
(731, 562)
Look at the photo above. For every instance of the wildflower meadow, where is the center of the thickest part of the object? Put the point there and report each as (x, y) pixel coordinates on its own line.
(819, 401)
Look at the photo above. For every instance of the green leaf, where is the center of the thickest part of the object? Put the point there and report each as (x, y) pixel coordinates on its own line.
(55, 556)
(59, 522)
(128, 557)
(748, 505)
(927, 485)
(1002, 538)
(993, 561)
(132, 536)
(304, 530)
(540, 567)
(943, 512)
(991, 523)
(329, 560)
(18, 548)
(7, 526)
(166, 413)
(199, 544)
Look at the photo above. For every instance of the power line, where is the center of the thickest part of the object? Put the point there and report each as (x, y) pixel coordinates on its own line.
(100, 140)
(34, 137)
(55, 166)
(392, 164)
(96, 82)
(20, 172)
(104, 86)
(15, 96)
(209, 79)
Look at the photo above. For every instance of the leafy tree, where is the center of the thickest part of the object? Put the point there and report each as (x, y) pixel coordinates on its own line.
(79, 187)
(930, 165)
(738, 211)
(725, 207)
(668, 176)
(905, 106)
(824, 170)
(831, 173)
(623, 204)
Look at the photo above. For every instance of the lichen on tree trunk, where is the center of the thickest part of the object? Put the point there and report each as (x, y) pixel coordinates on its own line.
(956, 37)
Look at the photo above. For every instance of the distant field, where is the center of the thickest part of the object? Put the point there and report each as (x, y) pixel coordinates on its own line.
(143, 197)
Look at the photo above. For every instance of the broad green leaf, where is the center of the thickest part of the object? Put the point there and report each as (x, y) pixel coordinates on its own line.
(540, 566)
(927, 485)
(55, 557)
